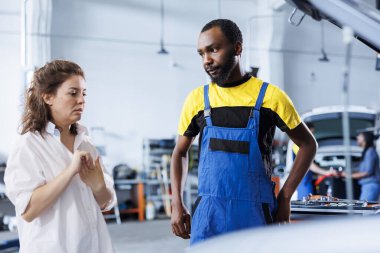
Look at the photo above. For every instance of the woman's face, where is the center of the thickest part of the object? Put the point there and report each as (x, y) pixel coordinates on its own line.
(67, 104)
(360, 140)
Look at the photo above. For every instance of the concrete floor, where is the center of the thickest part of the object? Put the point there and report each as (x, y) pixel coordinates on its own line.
(138, 237)
(146, 237)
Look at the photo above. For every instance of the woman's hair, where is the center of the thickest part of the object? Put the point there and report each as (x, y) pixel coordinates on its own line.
(369, 139)
(46, 80)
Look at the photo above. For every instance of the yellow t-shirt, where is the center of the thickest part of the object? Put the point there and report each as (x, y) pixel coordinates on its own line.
(295, 149)
(231, 107)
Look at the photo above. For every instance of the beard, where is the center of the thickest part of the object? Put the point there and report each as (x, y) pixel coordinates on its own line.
(225, 69)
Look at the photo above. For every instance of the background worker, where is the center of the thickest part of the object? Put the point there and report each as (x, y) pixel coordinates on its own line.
(368, 171)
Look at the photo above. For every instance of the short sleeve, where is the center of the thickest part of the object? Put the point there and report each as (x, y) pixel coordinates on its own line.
(187, 125)
(368, 164)
(23, 175)
(295, 149)
(287, 116)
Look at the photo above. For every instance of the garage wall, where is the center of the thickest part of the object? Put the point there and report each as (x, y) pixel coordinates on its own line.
(10, 73)
(133, 92)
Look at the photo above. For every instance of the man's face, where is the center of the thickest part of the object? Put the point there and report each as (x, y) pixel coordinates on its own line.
(218, 54)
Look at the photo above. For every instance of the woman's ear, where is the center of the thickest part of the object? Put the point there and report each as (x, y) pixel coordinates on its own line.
(48, 99)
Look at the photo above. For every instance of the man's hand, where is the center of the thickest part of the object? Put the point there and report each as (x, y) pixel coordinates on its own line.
(283, 211)
(180, 220)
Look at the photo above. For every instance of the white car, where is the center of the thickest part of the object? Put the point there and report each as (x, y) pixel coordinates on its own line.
(327, 122)
(335, 235)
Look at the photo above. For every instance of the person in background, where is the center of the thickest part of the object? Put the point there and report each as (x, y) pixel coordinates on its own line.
(368, 171)
(305, 188)
(236, 116)
(54, 176)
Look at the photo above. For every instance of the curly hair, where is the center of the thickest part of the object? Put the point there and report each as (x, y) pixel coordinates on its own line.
(46, 80)
(228, 28)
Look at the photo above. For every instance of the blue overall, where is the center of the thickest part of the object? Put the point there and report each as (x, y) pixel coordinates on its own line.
(234, 191)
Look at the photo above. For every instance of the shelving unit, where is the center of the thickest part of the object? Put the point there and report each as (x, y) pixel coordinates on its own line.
(157, 155)
(153, 151)
(156, 163)
(137, 194)
(133, 190)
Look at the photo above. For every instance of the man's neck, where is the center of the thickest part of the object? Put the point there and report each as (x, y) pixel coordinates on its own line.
(236, 74)
(244, 78)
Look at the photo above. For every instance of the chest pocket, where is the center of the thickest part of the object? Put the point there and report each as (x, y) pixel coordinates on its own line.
(230, 146)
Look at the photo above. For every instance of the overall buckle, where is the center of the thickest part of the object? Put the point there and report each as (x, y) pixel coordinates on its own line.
(207, 113)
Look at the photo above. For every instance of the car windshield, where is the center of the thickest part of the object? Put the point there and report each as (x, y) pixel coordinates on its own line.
(329, 126)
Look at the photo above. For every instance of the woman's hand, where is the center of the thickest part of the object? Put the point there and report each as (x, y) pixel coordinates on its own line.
(92, 173)
(76, 163)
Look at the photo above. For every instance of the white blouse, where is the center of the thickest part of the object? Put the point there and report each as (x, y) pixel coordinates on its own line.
(74, 224)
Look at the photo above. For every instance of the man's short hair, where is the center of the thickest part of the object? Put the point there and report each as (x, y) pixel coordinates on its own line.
(228, 28)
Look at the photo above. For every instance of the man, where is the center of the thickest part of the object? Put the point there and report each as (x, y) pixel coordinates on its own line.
(236, 116)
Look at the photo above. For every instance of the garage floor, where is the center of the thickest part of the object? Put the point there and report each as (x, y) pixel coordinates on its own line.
(138, 237)
(146, 237)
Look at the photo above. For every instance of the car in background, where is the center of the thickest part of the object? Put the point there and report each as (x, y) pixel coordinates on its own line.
(328, 132)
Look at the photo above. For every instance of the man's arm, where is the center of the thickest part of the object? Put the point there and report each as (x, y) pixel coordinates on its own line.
(180, 218)
(303, 138)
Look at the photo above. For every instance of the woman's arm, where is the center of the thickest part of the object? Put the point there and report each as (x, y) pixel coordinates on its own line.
(92, 175)
(46, 195)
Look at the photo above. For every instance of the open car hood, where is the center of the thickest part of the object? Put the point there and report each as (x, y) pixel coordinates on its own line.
(363, 19)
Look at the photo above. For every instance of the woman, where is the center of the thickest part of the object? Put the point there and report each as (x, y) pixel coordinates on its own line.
(51, 178)
(368, 171)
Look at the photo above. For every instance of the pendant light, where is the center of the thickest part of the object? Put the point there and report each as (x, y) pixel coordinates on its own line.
(162, 49)
(324, 57)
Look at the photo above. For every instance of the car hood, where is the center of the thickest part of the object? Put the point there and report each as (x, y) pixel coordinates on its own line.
(308, 236)
(362, 18)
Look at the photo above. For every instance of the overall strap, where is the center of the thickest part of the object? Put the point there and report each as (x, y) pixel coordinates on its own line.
(254, 117)
(207, 110)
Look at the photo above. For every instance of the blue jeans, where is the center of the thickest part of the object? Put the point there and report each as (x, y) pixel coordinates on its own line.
(370, 192)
